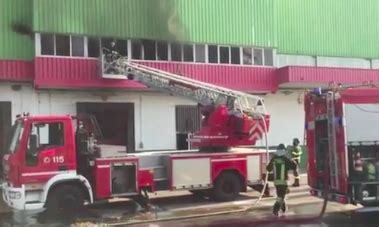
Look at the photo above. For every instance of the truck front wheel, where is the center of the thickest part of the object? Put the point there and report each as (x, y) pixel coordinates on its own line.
(227, 187)
(66, 200)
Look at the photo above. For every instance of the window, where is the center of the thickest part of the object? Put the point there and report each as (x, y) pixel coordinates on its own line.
(136, 49)
(149, 49)
(188, 52)
(176, 52)
(162, 52)
(235, 55)
(47, 44)
(14, 137)
(119, 45)
(49, 134)
(106, 43)
(258, 57)
(247, 56)
(77, 46)
(212, 54)
(224, 55)
(62, 44)
(200, 53)
(122, 47)
(43, 136)
(93, 47)
(269, 57)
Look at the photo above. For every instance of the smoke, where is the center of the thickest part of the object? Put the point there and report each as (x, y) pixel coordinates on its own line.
(22, 29)
(171, 20)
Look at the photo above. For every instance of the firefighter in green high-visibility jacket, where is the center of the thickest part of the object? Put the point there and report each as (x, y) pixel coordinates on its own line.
(280, 164)
(370, 171)
(296, 153)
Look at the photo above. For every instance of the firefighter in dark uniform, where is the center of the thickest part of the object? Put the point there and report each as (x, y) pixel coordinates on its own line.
(82, 153)
(296, 153)
(81, 137)
(111, 55)
(280, 164)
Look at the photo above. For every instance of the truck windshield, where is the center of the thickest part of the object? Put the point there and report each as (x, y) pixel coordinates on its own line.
(14, 137)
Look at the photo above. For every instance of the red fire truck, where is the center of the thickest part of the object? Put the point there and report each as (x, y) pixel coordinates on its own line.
(46, 166)
(343, 144)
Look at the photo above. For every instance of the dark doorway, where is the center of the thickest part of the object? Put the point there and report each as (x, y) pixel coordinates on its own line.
(116, 122)
(5, 126)
(188, 119)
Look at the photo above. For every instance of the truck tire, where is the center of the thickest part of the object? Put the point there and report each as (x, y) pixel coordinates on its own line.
(65, 200)
(227, 187)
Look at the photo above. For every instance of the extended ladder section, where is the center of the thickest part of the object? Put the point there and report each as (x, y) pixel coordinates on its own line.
(333, 159)
(195, 90)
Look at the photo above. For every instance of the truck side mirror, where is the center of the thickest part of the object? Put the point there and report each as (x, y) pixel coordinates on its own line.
(33, 144)
(31, 156)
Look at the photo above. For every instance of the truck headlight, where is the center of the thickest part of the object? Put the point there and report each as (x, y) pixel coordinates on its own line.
(14, 195)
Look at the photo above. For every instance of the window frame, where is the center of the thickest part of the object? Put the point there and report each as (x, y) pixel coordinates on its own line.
(39, 135)
(157, 42)
(142, 50)
(272, 55)
(205, 47)
(84, 46)
(252, 56)
(219, 54)
(239, 55)
(193, 52)
(181, 51)
(262, 56)
(39, 40)
(87, 46)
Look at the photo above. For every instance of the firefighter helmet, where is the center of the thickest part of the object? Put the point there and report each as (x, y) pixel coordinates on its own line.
(281, 146)
(281, 150)
(296, 141)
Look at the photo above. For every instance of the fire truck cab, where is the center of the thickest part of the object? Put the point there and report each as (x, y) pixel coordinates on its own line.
(343, 144)
(45, 168)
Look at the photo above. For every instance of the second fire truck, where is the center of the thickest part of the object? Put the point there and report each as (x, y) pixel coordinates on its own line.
(343, 144)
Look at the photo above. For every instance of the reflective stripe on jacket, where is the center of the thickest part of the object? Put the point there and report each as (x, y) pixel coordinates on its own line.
(280, 165)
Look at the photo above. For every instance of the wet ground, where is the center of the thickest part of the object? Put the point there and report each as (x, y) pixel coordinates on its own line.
(194, 211)
(298, 215)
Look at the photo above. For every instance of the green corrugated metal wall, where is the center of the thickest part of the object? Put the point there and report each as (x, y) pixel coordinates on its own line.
(323, 27)
(242, 22)
(12, 44)
(329, 28)
(210, 21)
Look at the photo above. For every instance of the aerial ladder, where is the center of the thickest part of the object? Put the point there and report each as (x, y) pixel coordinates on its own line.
(230, 118)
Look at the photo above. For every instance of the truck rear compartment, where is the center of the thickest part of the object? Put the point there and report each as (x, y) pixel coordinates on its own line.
(362, 122)
(355, 133)
(364, 188)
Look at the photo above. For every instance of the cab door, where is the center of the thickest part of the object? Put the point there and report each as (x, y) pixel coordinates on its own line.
(46, 153)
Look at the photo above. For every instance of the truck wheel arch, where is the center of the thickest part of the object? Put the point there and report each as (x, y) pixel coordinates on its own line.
(68, 178)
